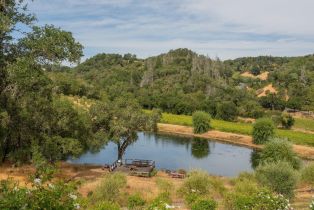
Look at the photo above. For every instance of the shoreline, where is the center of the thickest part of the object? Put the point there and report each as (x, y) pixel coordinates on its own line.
(305, 152)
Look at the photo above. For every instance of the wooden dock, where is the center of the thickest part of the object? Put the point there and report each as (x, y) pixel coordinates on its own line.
(134, 167)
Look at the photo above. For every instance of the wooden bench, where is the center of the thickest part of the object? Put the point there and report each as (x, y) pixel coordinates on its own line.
(177, 175)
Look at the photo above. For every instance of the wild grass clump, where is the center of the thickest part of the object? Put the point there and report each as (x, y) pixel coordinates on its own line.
(109, 188)
(136, 202)
(307, 174)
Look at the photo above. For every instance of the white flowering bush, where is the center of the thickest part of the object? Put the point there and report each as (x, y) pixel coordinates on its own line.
(260, 199)
(43, 192)
(52, 196)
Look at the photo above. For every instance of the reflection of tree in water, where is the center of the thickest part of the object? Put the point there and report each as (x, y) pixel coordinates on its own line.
(200, 148)
(165, 139)
(255, 158)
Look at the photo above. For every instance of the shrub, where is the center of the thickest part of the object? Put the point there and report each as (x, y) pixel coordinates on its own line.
(266, 200)
(279, 177)
(201, 122)
(197, 182)
(249, 196)
(154, 119)
(263, 129)
(109, 188)
(279, 150)
(135, 202)
(207, 204)
(286, 120)
(106, 205)
(255, 70)
(307, 174)
(227, 110)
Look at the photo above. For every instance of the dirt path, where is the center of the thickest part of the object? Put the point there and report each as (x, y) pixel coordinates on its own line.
(238, 139)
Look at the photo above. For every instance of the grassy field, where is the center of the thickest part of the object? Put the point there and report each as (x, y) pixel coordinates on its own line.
(240, 128)
(302, 123)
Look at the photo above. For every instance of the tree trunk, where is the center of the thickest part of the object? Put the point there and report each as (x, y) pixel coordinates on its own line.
(4, 150)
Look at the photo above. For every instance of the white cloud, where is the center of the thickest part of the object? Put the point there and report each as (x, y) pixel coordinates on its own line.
(225, 28)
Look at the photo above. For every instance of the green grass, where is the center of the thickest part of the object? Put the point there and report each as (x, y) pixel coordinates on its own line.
(306, 124)
(239, 128)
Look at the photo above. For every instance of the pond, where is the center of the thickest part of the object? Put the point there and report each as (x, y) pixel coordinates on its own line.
(176, 152)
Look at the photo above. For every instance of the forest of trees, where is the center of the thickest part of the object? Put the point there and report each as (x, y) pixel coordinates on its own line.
(182, 82)
(34, 118)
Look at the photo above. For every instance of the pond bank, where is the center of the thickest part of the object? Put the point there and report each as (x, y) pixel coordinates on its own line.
(306, 152)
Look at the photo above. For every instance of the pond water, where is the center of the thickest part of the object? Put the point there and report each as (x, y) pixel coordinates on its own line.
(175, 152)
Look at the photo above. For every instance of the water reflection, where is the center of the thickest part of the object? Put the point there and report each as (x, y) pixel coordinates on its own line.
(175, 152)
(255, 158)
(200, 148)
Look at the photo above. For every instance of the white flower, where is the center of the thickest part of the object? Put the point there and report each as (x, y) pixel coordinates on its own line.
(15, 188)
(37, 181)
(168, 206)
(77, 206)
(51, 186)
(74, 197)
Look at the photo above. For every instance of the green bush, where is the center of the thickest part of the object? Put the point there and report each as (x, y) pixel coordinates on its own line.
(201, 122)
(279, 177)
(255, 70)
(227, 110)
(135, 202)
(263, 130)
(286, 120)
(197, 182)
(203, 204)
(307, 174)
(106, 205)
(279, 150)
(109, 188)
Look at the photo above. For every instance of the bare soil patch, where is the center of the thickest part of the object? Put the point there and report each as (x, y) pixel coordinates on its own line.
(267, 89)
(262, 76)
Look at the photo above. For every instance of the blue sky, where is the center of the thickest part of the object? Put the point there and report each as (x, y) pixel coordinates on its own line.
(217, 28)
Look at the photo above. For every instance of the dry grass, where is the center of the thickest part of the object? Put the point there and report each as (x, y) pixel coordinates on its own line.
(147, 187)
(262, 76)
